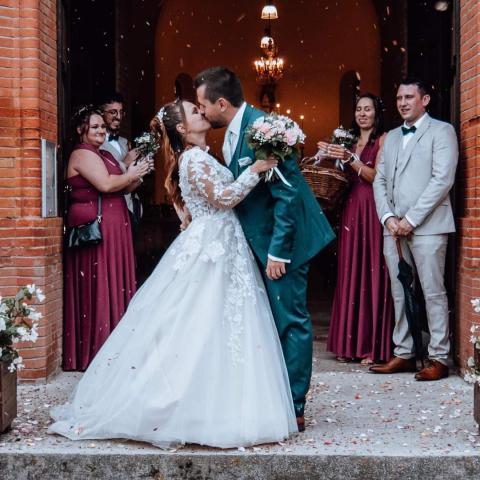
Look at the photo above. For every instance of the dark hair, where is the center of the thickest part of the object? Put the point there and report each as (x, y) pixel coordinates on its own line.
(423, 88)
(378, 127)
(81, 120)
(164, 126)
(220, 83)
(110, 97)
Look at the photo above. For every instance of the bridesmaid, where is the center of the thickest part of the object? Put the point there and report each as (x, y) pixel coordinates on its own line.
(99, 279)
(362, 315)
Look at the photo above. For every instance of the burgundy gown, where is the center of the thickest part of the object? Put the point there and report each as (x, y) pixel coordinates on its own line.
(362, 315)
(99, 279)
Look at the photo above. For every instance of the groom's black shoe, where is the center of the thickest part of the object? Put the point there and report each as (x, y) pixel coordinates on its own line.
(301, 423)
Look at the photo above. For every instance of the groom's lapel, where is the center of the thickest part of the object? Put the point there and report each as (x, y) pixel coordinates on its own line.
(234, 166)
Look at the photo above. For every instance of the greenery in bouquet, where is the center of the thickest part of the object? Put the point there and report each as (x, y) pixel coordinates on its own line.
(473, 373)
(344, 137)
(276, 135)
(147, 144)
(18, 323)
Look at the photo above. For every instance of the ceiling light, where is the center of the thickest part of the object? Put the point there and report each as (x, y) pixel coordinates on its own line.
(269, 12)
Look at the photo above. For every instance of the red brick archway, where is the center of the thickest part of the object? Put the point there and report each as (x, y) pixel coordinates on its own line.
(30, 246)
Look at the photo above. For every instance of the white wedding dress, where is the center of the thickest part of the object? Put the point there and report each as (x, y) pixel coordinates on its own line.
(196, 357)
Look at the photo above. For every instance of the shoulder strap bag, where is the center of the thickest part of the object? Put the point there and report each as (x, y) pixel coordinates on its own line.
(87, 234)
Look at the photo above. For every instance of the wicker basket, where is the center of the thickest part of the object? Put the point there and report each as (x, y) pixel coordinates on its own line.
(327, 183)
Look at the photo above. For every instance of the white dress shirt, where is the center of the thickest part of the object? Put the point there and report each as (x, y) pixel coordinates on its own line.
(114, 144)
(233, 134)
(406, 138)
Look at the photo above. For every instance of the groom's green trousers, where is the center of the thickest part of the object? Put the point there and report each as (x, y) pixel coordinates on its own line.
(288, 300)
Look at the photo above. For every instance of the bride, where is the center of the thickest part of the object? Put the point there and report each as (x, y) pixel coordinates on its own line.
(196, 357)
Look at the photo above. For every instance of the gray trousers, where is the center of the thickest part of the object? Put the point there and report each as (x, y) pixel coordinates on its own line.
(427, 254)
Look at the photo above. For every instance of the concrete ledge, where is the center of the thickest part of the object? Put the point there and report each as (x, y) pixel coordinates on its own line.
(234, 466)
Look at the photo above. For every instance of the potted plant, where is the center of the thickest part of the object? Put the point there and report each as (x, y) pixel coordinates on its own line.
(473, 372)
(18, 323)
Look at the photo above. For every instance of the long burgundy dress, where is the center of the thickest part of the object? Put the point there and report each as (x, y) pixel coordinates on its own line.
(362, 316)
(99, 279)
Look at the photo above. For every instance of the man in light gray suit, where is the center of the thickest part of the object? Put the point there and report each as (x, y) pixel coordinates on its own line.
(113, 114)
(414, 176)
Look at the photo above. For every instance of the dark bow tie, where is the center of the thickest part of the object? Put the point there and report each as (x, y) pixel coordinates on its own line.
(406, 130)
(113, 136)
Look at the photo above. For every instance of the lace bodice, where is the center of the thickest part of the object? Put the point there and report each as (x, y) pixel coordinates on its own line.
(208, 187)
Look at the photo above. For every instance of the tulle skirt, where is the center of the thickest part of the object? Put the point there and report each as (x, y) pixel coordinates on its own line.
(196, 357)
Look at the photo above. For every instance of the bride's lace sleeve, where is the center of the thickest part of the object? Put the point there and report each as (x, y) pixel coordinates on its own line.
(203, 175)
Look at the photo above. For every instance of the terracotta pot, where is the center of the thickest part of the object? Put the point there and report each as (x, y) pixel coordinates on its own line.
(8, 397)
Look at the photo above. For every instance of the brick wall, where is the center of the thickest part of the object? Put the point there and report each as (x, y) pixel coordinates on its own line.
(468, 263)
(30, 246)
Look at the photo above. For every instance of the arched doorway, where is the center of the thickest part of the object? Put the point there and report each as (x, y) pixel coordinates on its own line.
(141, 48)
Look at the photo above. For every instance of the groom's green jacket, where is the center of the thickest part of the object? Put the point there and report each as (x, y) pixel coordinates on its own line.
(285, 222)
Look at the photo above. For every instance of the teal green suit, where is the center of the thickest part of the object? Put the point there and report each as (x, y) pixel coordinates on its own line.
(285, 222)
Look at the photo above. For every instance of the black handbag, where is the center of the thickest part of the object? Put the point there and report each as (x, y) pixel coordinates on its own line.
(87, 234)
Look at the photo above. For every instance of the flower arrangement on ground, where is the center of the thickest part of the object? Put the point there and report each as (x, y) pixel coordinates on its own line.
(18, 323)
(473, 373)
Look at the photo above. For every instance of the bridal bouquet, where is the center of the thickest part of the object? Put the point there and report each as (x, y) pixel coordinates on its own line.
(274, 135)
(18, 323)
(147, 144)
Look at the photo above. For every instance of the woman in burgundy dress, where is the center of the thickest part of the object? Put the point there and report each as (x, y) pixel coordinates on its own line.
(362, 315)
(99, 279)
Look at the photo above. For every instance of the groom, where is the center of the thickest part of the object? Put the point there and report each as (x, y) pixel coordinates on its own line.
(284, 225)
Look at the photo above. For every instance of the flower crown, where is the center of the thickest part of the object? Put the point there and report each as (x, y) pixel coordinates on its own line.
(84, 108)
(161, 113)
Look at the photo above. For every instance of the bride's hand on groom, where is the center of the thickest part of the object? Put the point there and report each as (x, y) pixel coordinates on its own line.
(261, 166)
(275, 270)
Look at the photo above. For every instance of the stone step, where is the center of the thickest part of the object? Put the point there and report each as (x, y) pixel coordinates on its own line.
(234, 466)
(359, 426)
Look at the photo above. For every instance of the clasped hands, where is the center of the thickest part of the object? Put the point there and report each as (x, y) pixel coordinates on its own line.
(334, 151)
(133, 156)
(141, 166)
(399, 227)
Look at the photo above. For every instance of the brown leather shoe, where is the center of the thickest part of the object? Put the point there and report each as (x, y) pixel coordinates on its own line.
(301, 423)
(434, 370)
(396, 365)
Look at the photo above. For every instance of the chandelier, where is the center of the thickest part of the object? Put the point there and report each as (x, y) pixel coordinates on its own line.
(269, 68)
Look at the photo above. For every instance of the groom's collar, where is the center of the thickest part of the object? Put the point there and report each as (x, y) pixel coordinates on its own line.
(235, 125)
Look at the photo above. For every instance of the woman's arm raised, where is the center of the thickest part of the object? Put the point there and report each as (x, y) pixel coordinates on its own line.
(91, 167)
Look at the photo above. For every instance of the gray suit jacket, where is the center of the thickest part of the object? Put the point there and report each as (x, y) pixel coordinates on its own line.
(119, 157)
(417, 181)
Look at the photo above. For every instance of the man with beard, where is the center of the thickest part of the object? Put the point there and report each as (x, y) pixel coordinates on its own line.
(113, 114)
(282, 221)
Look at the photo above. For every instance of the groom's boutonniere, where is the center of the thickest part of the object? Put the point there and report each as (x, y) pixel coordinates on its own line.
(274, 135)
